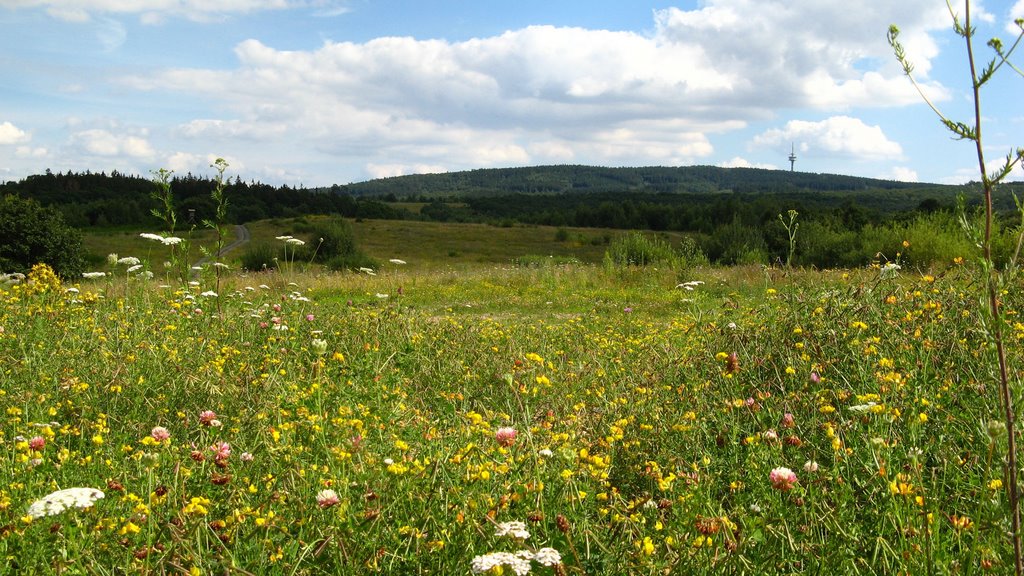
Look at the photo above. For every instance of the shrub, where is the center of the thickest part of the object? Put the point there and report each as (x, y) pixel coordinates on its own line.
(337, 241)
(260, 257)
(635, 249)
(32, 234)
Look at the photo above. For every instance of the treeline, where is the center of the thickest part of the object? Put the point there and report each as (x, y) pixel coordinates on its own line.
(569, 179)
(747, 229)
(115, 199)
(732, 213)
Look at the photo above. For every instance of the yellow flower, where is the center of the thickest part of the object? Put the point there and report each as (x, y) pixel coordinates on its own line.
(197, 506)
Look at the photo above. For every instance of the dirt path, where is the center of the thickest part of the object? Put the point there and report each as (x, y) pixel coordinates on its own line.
(242, 238)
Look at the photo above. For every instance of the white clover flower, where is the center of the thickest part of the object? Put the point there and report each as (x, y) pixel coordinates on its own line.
(93, 275)
(515, 529)
(62, 500)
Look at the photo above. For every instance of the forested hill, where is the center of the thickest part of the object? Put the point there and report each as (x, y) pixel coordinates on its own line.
(675, 198)
(574, 179)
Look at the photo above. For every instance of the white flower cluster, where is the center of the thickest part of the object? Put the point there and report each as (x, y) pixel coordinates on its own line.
(62, 500)
(519, 562)
(515, 529)
(166, 240)
(12, 278)
(690, 286)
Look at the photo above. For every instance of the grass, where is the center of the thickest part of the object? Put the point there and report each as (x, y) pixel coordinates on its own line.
(641, 447)
(425, 245)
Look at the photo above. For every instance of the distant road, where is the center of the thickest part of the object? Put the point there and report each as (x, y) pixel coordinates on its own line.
(242, 237)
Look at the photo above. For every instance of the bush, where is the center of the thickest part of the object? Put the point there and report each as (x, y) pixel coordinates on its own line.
(335, 239)
(635, 249)
(32, 234)
(260, 257)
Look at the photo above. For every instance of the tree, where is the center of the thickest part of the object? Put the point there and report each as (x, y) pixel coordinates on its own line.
(32, 234)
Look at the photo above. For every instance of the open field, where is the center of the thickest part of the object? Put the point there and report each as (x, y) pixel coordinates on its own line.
(345, 424)
(425, 245)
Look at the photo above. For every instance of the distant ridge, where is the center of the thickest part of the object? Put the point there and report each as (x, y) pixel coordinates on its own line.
(577, 179)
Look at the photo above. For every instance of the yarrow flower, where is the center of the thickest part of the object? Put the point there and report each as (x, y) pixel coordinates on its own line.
(62, 500)
(548, 557)
(782, 478)
(506, 436)
(515, 529)
(519, 564)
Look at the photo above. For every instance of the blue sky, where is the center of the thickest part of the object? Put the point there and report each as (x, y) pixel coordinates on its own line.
(318, 92)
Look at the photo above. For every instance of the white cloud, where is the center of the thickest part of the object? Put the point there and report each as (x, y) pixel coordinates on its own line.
(900, 173)
(1016, 12)
(557, 94)
(738, 162)
(390, 170)
(11, 134)
(186, 162)
(111, 34)
(100, 142)
(30, 152)
(838, 136)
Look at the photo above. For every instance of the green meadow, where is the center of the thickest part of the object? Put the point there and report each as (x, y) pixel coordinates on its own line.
(460, 413)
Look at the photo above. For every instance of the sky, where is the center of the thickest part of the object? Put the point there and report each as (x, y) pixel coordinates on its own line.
(321, 92)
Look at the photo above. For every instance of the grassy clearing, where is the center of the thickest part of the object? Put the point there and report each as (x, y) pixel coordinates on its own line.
(425, 245)
(343, 423)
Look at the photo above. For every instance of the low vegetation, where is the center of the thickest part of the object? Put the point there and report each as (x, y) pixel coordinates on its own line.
(744, 420)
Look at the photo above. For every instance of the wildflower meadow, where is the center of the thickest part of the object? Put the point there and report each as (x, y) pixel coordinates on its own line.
(568, 419)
